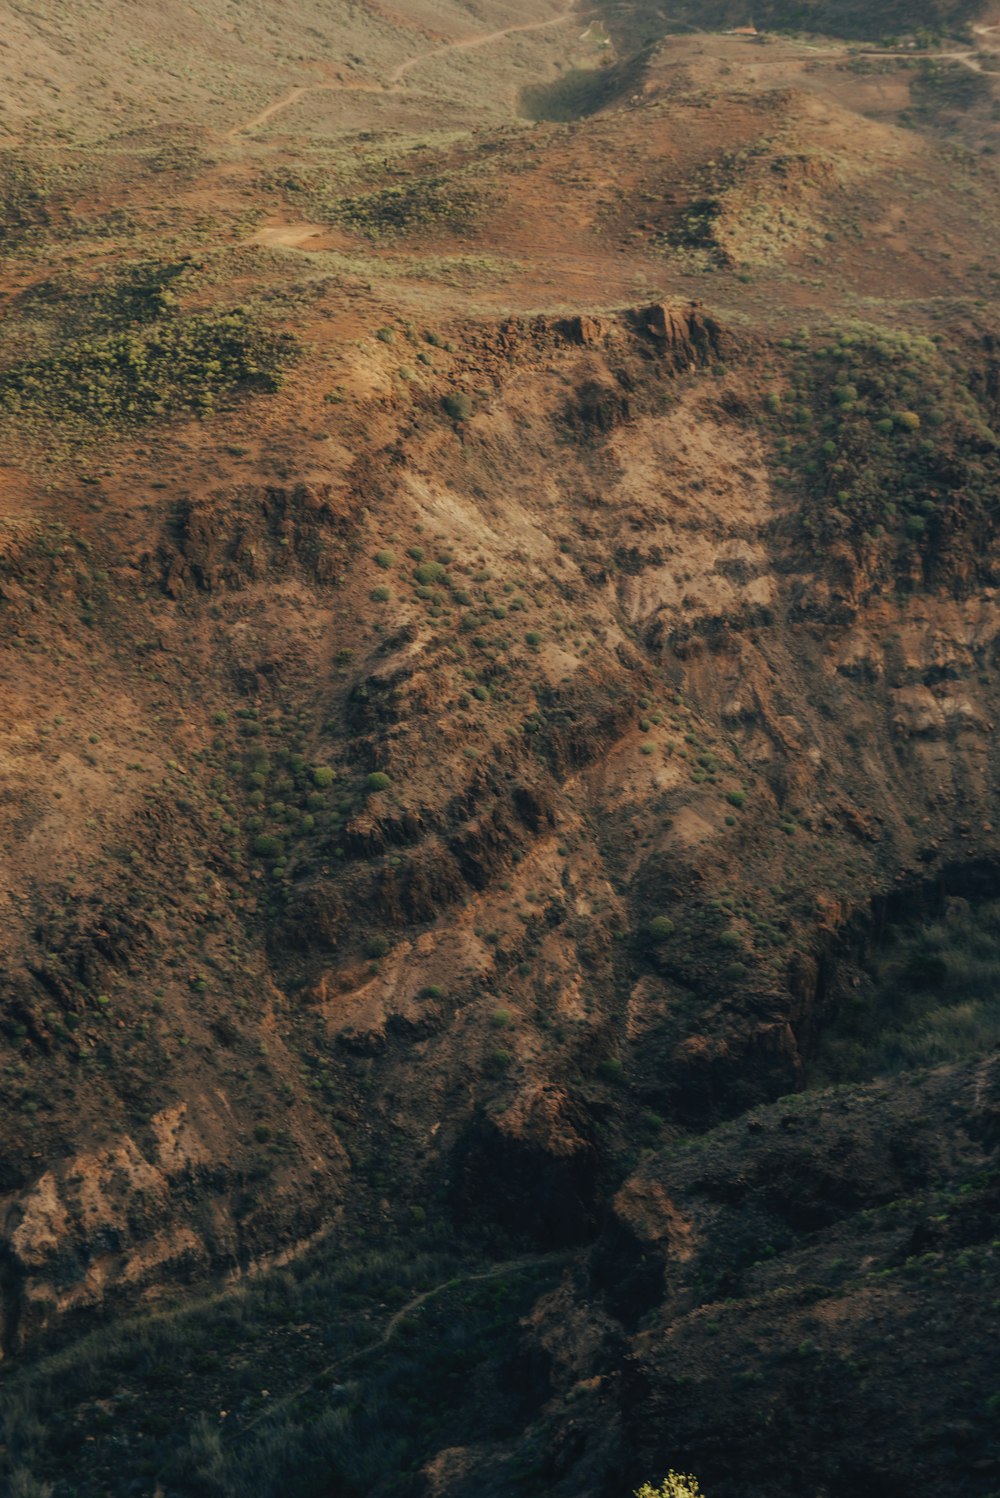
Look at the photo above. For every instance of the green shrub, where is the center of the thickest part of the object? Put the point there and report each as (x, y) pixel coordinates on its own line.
(457, 405)
(381, 595)
(660, 927)
(267, 846)
(384, 558)
(430, 572)
(736, 798)
(323, 775)
(377, 946)
(674, 1485)
(378, 781)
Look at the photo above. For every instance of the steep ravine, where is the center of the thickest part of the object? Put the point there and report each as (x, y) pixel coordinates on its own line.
(539, 760)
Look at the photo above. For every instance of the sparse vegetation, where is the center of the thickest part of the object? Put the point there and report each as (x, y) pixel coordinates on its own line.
(356, 1406)
(875, 473)
(931, 995)
(402, 209)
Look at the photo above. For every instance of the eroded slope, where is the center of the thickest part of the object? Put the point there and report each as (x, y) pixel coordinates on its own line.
(488, 617)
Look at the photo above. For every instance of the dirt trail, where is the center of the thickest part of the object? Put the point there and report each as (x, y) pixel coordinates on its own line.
(265, 114)
(499, 1271)
(512, 1266)
(395, 77)
(968, 57)
(477, 41)
(293, 96)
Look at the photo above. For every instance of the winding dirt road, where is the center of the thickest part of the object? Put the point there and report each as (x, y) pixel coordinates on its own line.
(477, 41)
(392, 85)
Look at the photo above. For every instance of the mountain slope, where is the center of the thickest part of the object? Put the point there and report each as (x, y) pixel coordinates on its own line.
(498, 623)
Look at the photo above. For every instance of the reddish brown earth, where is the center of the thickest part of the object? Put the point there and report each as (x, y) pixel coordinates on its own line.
(357, 732)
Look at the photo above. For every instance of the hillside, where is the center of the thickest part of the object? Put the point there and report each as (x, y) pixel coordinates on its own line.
(835, 18)
(498, 566)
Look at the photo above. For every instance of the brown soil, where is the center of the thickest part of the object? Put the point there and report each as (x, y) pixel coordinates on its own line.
(664, 659)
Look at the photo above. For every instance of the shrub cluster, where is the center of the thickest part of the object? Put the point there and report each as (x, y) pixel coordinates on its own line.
(886, 436)
(140, 359)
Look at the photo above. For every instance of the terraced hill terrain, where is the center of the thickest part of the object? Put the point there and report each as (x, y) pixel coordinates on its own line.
(498, 784)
